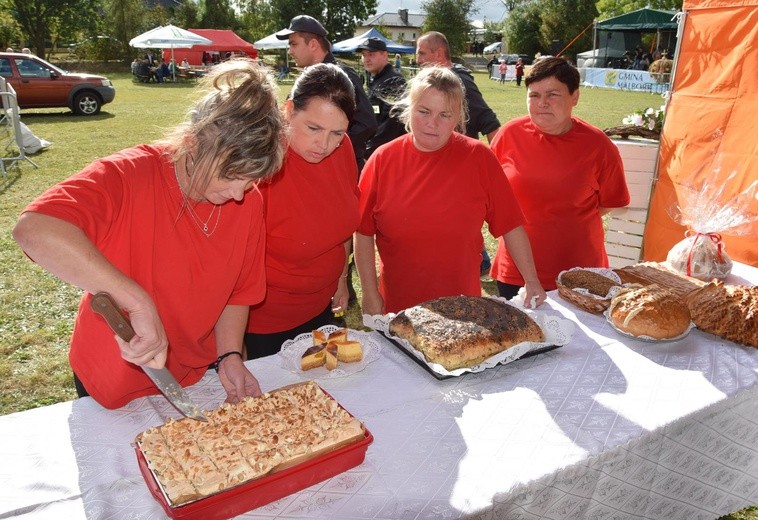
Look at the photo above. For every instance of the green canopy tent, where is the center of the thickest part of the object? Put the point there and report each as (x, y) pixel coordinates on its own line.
(641, 20)
(636, 23)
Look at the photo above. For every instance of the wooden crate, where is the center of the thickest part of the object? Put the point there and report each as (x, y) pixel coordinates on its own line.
(626, 226)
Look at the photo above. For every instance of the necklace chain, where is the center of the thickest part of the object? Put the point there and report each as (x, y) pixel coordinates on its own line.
(203, 226)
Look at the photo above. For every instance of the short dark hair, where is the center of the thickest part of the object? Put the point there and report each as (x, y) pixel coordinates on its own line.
(437, 40)
(322, 41)
(326, 81)
(557, 68)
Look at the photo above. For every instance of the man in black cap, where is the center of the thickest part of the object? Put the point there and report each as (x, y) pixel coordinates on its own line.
(385, 86)
(309, 46)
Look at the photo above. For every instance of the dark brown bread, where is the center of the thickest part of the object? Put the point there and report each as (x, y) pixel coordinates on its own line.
(583, 279)
(463, 331)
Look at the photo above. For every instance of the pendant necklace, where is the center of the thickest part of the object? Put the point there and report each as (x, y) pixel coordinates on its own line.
(195, 217)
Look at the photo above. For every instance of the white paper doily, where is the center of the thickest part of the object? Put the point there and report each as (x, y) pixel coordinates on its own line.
(557, 331)
(293, 349)
(648, 339)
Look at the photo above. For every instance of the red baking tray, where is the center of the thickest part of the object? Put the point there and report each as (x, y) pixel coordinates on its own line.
(256, 493)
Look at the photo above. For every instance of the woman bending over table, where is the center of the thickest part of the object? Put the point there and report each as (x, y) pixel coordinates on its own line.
(311, 213)
(424, 199)
(174, 232)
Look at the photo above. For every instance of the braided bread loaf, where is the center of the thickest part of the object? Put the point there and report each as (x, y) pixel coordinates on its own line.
(728, 311)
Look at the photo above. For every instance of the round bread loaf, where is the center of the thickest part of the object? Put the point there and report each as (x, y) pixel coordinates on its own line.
(650, 311)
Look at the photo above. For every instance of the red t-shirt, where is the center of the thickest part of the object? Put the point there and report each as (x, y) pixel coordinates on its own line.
(560, 181)
(426, 210)
(310, 211)
(130, 206)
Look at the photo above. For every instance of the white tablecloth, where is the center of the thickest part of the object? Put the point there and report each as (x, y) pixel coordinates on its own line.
(604, 427)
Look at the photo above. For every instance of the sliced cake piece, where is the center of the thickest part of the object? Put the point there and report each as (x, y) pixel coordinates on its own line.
(313, 357)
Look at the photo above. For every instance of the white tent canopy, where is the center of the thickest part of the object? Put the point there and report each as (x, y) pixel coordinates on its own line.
(168, 37)
(271, 42)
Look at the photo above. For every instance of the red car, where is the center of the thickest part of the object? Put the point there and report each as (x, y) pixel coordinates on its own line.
(39, 84)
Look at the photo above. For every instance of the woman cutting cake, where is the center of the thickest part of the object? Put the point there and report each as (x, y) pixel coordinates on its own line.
(174, 232)
(424, 199)
(311, 213)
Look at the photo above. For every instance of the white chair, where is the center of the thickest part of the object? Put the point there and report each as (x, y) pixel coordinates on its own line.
(11, 130)
(626, 226)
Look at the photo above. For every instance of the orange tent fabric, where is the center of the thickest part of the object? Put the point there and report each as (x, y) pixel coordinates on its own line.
(710, 122)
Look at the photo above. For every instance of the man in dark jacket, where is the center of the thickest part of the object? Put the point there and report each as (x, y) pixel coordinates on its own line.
(432, 49)
(309, 46)
(386, 85)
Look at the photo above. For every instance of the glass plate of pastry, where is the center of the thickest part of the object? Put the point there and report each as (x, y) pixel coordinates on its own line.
(329, 352)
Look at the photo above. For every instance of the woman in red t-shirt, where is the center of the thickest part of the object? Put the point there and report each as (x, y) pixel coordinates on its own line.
(424, 199)
(174, 232)
(311, 212)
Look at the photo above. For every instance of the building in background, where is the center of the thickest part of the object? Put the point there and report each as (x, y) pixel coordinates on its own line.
(403, 27)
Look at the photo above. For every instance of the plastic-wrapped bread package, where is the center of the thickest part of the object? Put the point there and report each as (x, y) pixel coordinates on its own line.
(703, 210)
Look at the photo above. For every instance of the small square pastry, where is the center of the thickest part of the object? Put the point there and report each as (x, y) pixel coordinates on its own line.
(348, 351)
(338, 335)
(331, 356)
(313, 357)
(319, 337)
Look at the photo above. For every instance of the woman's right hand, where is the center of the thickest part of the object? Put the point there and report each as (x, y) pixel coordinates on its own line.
(149, 346)
(64, 250)
(372, 303)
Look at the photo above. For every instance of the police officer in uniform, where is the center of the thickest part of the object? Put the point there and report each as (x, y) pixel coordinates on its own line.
(386, 84)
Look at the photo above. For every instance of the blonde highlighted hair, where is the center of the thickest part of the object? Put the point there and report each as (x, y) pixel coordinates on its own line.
(236, 121)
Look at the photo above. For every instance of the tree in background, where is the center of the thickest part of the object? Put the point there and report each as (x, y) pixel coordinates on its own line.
(522, 29)
(257, 19)
(186, 14)
(493, 31)
(125, 18)
(533, 26)
(217, 14)
(450, 17)
(564, 20)
(41, 20)
(10, 32)
(339, 17)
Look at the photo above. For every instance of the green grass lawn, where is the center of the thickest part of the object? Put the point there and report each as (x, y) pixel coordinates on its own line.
(37, 311)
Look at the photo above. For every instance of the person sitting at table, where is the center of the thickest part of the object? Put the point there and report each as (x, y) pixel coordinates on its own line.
(150, 57)
(135, 65)
(566, 175)
(430, 191)
(161, 71)
(185, 63)
(284, 70)
(144, 74)
(174, 232)
(311, 213)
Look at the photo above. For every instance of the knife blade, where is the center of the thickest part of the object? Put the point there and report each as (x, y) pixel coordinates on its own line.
(103, 304)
